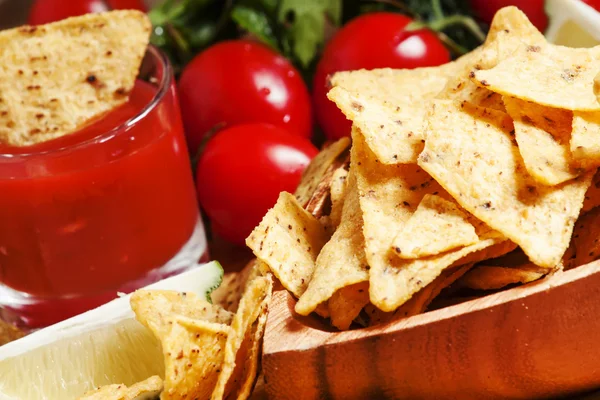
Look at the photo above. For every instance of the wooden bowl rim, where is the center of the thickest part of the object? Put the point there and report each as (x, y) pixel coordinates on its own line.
(284, 303)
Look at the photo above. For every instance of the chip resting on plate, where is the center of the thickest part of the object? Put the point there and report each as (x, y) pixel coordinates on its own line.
(471, 151)
(426, 231)
(289, 240)
(342, 260)
(145, 390)
(54, 78)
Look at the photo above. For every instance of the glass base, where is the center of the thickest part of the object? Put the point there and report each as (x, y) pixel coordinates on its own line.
(32, 312)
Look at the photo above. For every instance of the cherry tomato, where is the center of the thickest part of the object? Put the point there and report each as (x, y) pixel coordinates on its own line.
(374, 40)
(241, 172)
(534, 9)
(242, 81)
(593, 3)
(45, 11)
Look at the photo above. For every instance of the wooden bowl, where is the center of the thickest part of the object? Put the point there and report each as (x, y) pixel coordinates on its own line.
(535, 341)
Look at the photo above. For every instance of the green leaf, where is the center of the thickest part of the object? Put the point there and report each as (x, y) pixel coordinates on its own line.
(308, 33)
(304, 21)
(254, 22)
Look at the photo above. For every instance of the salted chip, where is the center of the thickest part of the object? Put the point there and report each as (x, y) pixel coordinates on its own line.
(8, 333)
(342, 261)
(289, 240)
(252, 305)
(543, 135)
(55, 78)
(389, 195)
(461, 88)
(157, 307)
(421, 300)
(145, 390)
(490, 277)
(585, 138)
(318, 169)
(389, 106)
(436, 226)
(548, 75)
(585, 243)
(346, 303)
(592, 196)
(338, 194)
(470, 151)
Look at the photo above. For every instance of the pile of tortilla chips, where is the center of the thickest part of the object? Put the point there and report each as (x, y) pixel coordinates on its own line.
(472, 173)
(209, 352)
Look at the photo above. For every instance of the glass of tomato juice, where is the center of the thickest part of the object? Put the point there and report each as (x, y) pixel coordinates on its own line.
(107, 209)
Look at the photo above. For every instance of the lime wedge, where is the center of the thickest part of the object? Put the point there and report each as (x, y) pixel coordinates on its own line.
(102, 346)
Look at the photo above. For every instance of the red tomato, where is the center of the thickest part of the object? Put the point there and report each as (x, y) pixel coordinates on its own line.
(593, 3)
(374, 40)
(45, 11)
(534, 9)
(241, 172)
(241, 81)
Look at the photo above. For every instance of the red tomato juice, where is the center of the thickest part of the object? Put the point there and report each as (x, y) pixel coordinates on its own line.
(95, 209)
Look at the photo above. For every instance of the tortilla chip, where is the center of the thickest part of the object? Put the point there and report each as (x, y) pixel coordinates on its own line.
(253, 304)
(420, 301)
(592, 196)
(543, 136)
(511, 22)
(461, 88)
(487, 277)
(548, 75)
(389, 106)
(585, 139)
(157, 307)
(585, 244)
(338, 194)
(346, 303)
(317, 170)
(437, 226)
(389, 195)
(471, 152)
(342, 261)
(57, 77)
(289, 240)
(147, 389)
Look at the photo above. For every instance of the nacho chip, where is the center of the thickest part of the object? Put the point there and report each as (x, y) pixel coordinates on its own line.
(289, 240)
(543, 136)
(548, 75)
(9, 332)
(318, 169)
(342, 261)
(101, 54)
(192, 343)
(585, 243)
(389, 106)
(157, 307)
(253, 304)
(389, 195)
(511, 268)
(147, 389)
(346, 303)
(592, 196)
(421, 300)
(488, 277)
(471, 152)
(585, 138)
(338, 194)
(436, 226)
